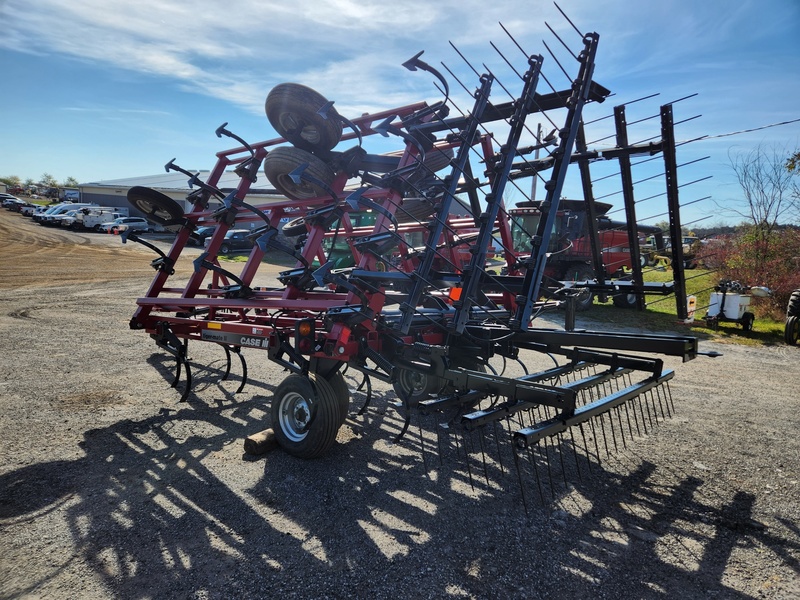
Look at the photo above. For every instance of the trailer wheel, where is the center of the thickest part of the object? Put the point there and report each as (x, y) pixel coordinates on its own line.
(340, 391)
(625, 300)
(293, 110)
(305, 416)
(792, 331)
(281, 161)
(748, 319)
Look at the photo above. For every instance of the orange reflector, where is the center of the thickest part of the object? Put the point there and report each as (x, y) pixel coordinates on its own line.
(304, 328)
(455, 294)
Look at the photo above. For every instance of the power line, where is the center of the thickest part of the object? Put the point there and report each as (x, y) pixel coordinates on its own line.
(750, 130)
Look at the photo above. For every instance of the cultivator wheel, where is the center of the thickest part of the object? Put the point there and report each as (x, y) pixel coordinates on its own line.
(280, 165)
(306, 416)
(294, 112)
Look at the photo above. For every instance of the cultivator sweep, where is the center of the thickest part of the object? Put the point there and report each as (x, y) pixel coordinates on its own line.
(427, 296)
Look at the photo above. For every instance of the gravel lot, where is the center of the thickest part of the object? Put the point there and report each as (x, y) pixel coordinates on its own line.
(110, 488)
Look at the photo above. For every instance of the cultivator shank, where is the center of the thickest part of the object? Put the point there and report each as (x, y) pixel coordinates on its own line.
(406, 272)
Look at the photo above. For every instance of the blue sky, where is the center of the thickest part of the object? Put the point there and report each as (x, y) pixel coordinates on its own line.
(102, 90)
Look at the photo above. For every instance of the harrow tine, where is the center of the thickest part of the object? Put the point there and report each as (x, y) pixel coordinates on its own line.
(422, 446)
(515, 452)
(549, 470)
(617, 410)
(497, 444)
(483, 458)
(466, 460)
(586, 448)
(535, 468)
(561, 458)
(613, 433)
(575, 454)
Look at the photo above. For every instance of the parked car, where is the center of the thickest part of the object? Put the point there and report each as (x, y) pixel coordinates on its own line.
(123, 223)
(198, 236)
(10, 201)
(235, 240)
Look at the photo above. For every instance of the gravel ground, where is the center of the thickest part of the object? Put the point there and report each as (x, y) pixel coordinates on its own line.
(111, 488)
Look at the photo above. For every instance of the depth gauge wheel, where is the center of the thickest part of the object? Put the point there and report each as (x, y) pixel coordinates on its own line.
(281, 161)
(585, 296)
(293, 110)
(793, 308)
(748, 319)
(295, 227)
(305, 416)
(416, 386)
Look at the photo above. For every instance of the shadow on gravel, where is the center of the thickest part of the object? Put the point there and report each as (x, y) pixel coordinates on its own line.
(164, 507)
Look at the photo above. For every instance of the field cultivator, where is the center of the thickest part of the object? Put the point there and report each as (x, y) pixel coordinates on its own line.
(433, 293)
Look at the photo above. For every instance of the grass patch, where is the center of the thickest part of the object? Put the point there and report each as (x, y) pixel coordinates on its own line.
(661, 313)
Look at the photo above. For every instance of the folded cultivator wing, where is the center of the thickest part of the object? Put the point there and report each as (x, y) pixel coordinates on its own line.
(408, 270)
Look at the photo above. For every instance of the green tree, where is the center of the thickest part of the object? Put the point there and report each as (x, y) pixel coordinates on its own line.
(11, 180)
(70, 182)
(48, 180)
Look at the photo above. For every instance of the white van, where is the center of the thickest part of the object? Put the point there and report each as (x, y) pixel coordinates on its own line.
(45, 218)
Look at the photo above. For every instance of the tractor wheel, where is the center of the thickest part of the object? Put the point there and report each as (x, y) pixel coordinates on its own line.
(281, 161)
(340, 390)
(748, 319)
(624, 300)
(792, 332)
(295, 227)
(293, 110)
(793, 308)
(305, 416)
(416, 386)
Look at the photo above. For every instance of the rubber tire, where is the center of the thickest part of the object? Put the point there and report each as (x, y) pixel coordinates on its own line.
(295, 227)
(748, 319)
(624, 300)
(792, 331)
(415, 210)
(793, 308)
(419, 385)
(296, 400)
(224, 249)
(156, 206)
(586, 299)
(340, 390)
(293, 110)
(281, 161)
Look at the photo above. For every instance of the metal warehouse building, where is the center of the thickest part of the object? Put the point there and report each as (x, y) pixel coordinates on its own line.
(113, 192)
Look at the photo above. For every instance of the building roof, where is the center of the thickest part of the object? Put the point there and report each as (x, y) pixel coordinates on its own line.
(177, 181)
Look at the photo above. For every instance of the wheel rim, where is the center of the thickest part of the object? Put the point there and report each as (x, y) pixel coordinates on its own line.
(413, 382)
(290, 123)
(295, 416)
(301, 190)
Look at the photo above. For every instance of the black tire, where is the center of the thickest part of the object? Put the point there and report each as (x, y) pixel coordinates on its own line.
(156, 206)
(281, 161)
(416, 386)
(341, 391)
(625, 300)
(293, 110)
(748, 319)
(305, 416)
(295, 227)
(792, 331)
(224, 249)
(793, 308)
(585, 297)
(413, 210)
